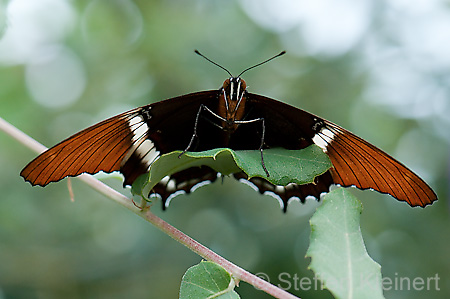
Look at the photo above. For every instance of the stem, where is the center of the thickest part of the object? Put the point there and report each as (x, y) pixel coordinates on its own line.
(237, 272)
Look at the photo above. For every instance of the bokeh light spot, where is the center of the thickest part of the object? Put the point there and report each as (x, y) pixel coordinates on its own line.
(57, 79)
(31, 25)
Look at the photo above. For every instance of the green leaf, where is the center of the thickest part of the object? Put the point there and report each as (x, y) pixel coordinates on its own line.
(338, 254)
(207, 280)
(219, 159)
(284, 166)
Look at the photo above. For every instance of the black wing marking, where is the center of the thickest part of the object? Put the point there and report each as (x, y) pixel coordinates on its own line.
(284, 194)
(183, 182)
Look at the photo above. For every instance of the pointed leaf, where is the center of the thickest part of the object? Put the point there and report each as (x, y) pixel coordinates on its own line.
(338, 254)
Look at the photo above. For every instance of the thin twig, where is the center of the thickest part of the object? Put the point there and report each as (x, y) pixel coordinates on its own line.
(237, 272)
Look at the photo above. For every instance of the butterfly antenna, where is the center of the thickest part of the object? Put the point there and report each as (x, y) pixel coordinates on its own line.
(215, 63)
(271, 58)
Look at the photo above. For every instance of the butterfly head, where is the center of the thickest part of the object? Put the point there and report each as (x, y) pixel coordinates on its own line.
(234, 89)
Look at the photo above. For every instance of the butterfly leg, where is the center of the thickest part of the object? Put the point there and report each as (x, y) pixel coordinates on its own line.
(195, 131)
(263, 125)
(194, 135)
(261, 146)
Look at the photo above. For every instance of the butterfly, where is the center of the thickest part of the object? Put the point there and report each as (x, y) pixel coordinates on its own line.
(228, 117)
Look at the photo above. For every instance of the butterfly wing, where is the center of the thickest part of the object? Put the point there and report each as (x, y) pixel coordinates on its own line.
(128, 142)
(355, 161)
(359, 163)
(284, 194)
(131, 141)
(182, 182)
(101, 147)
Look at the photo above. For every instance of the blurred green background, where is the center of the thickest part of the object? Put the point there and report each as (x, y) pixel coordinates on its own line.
(377, 68)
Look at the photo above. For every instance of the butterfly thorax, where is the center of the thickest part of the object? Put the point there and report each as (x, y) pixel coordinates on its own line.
(232, 103)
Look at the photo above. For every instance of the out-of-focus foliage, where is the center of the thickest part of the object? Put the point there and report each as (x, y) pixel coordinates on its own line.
(378, 68)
